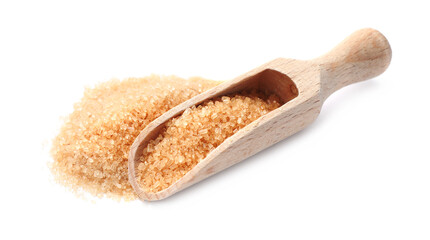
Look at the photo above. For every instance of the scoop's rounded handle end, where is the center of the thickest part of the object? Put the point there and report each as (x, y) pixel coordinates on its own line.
(363, 55)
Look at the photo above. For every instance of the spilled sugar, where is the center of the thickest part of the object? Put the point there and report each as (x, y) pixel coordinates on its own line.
(187, 139)
(90, 152)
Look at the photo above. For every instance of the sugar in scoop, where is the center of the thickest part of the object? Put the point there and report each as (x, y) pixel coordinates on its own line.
(189, 138)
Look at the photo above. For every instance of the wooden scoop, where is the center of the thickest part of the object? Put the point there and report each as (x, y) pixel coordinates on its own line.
(302, 86)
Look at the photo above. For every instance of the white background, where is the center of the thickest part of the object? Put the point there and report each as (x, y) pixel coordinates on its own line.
(361, 171)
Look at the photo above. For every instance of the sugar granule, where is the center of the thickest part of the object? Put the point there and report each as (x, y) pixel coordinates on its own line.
(187, 139)
(90, 152)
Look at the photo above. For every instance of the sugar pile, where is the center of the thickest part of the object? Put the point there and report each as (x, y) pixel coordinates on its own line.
(91, 150)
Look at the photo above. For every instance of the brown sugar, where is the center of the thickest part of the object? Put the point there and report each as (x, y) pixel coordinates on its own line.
(90, 153)
(187, 139)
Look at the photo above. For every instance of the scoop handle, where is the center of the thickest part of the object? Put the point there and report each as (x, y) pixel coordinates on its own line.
(363, 55)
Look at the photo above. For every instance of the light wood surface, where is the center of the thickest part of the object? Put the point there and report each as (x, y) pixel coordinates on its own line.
(302, 85)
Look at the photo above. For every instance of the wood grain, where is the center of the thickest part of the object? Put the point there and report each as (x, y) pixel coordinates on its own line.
(302, 85)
